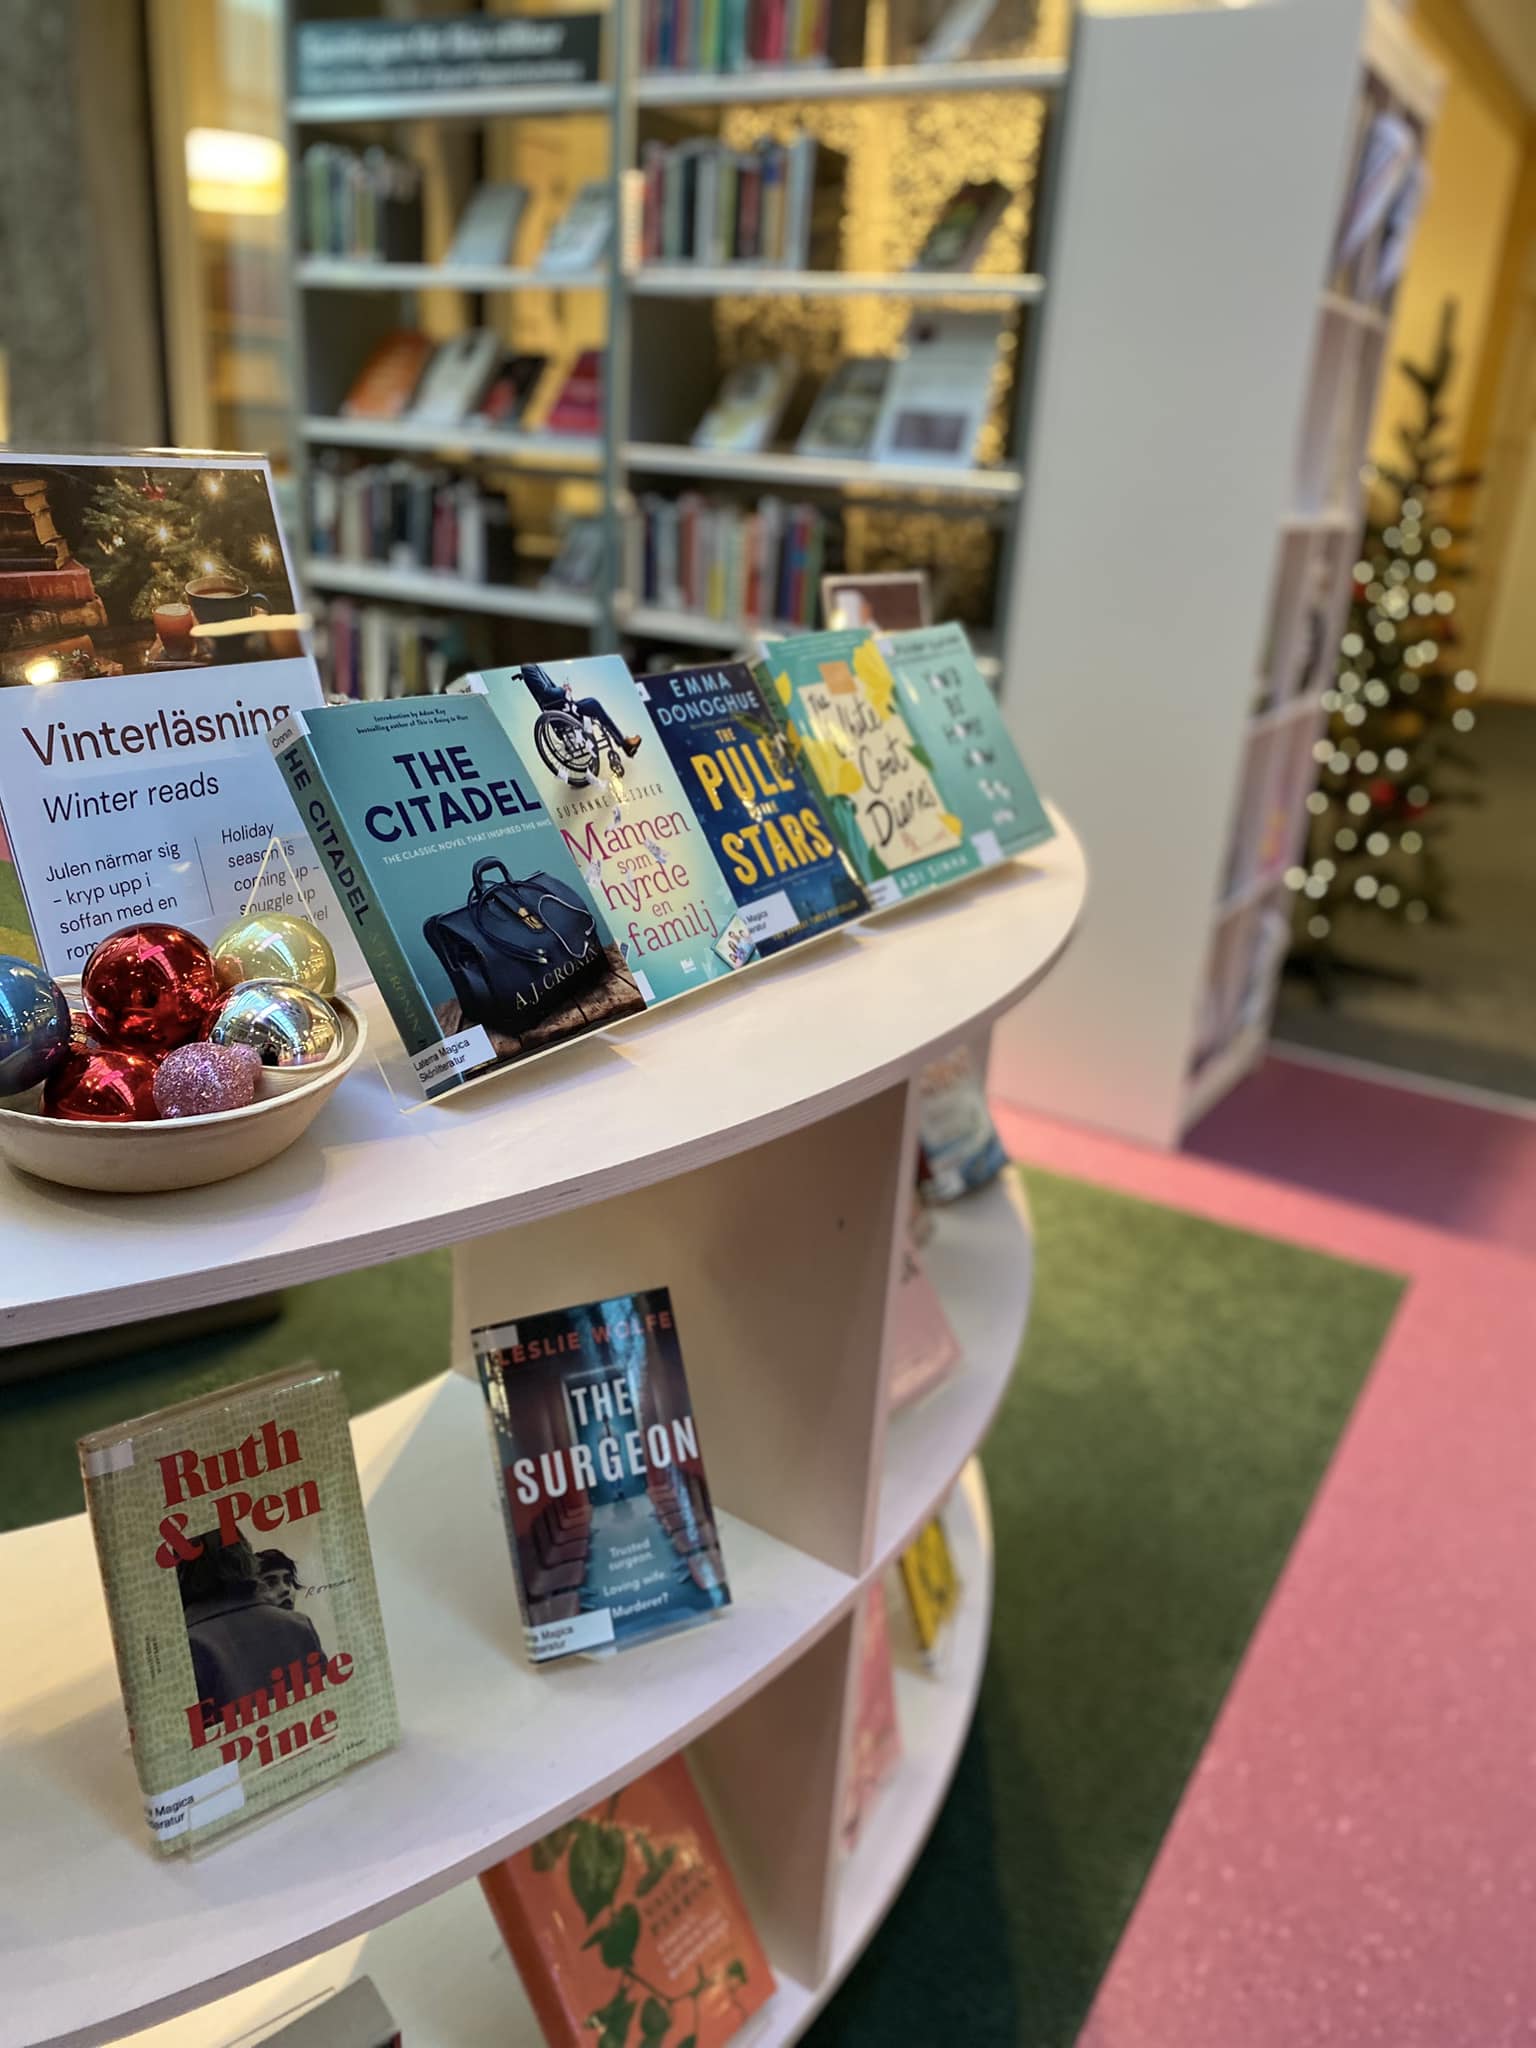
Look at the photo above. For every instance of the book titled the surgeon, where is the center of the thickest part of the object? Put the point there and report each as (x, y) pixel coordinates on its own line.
(479, 931)
(599, 766)
(607, 1508)
(239, 1586)
(838, 699)
(956, 718)
(790, 878)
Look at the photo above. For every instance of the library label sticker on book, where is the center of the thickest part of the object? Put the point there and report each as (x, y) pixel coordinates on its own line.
(548, 1639)
(206, 1798)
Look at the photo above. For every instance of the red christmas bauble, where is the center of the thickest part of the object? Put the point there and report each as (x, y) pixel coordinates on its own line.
(150, 986)
(82, 1033)
(103, 1086)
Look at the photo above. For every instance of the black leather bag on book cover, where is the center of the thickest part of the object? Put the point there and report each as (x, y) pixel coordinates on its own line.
(519, 948)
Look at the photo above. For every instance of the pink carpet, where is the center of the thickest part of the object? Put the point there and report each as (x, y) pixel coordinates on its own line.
(1354, 1859)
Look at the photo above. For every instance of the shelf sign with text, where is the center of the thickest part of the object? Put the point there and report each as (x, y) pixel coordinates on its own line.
(133, 798)
(358, 60)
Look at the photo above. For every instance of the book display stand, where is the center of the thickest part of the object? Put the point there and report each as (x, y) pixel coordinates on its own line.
(756, 1156)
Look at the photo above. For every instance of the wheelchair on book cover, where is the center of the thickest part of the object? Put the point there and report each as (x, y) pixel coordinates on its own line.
(571, 744)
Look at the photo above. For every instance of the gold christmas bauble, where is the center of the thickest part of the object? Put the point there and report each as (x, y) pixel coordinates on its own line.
(275, 947)
(284, 1024)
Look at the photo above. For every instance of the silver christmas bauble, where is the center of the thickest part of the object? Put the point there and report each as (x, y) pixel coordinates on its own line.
(284, 1025)
(34, 1025)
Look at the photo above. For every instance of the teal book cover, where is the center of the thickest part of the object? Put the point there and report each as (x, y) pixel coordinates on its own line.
(470, 912)
(839, 701)
(790, 878)
(607, 1507)
(960, 727)
(608, 783)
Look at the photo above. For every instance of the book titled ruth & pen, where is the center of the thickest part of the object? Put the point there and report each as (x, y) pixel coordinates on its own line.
(239, 1585)
(608, 1513)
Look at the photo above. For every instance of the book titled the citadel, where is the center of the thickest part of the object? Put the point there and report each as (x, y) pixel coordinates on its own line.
(599, 766)
(839, 701)
(470, 912)
(239, 1586)
(607, 1508)
(790, 878)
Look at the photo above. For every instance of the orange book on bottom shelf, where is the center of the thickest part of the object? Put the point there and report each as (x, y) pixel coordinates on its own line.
(626, 1925)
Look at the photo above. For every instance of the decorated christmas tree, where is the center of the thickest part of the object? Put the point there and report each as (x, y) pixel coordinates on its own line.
(1390, 765)
(152, 531)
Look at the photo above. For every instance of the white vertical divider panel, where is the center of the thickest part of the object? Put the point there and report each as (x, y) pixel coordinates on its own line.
(1201, 173)
(782, 1263)
(773, 1773)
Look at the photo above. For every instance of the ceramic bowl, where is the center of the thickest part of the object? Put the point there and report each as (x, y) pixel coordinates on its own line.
(181, 1152)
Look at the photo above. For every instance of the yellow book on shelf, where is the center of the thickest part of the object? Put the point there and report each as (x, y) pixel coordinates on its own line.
(932, 1584)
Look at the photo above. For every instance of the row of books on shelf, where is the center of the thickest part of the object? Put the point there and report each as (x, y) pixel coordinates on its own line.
(1240, 982)
(474, 379)
(362, 203)
(745, 35)
(726, 560)
(846, 774)
(410, 515)
(254, 1667)
(372, 652)
(1387, 188)
(732, 35)
(777, 203)
(928, 403)
(781, 205)
(366, 204)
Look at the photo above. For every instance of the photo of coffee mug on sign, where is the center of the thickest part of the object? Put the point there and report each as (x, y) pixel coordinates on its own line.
(215, 600)
(110, 568)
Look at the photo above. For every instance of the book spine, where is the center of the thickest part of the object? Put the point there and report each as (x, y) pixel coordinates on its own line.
(46, 586)
(315, 801)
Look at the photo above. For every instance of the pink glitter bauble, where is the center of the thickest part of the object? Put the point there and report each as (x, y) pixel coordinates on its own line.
(198, 1080)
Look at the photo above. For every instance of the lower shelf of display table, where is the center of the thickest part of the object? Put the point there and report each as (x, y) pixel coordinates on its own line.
(95, 1931)
(446, 1978)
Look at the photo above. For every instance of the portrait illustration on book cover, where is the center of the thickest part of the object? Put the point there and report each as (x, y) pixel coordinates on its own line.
(245, 1619)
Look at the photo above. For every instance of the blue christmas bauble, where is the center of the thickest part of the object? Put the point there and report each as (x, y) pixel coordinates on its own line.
(34, 1025)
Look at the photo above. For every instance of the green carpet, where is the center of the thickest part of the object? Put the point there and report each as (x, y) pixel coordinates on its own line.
(385, 1330)
(1180, 1393)
(1181, 1390)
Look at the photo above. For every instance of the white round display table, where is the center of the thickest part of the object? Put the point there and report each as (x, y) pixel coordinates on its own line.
(752, 1149)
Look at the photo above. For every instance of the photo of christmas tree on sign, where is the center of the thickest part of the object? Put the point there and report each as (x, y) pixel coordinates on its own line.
(109, 568)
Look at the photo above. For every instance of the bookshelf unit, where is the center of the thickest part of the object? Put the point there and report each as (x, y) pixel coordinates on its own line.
(817, 1487)
(673, 313)
(1220, 396)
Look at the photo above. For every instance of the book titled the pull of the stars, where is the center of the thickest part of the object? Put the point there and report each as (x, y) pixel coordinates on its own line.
(608, 1514)
(239, 1585)
(790, 878)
